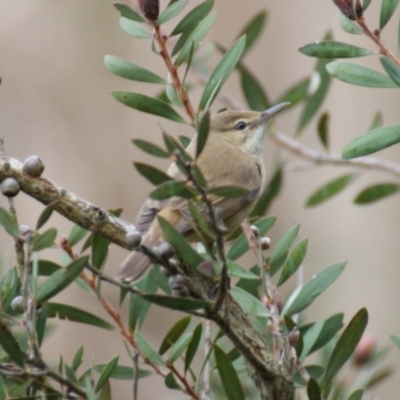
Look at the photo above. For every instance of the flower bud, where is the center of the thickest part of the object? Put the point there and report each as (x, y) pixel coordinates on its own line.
(265, 243)
(9, 187)
(150, 9)
(133, 238)
(364, 349)
(33, 166)
(17, 304)
(346, 7)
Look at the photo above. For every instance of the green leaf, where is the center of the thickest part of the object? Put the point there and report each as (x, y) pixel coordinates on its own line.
(346, 345)
(78, 359)
(44, 240)
(270, 192)
(44, 217)
(47, 268)
(105, 392)
(221, 73)
(193, 18)
(312, 289)
(296, 93)
(9, 287)
(376, 192)
(252, 89)
(171, 11)
(357, 395)
(60, 279)
(138, 306)
(70, 313)
(193, 346)
(170, 189)
(8, 223)
(322, 80)
(372, 141)
(134, 28)
(127, 12)
(171, 383)
(106, 373)
(310, 337)
(174, 334)
(230, 380)
(396, 340)
(323, 130)
(239, 272)
(241, 245)
(152, 174)
(150, 148)
(177, 303)
(202, 135)
(366, 4)
(125, 69)
(229, 191)
(313, 390)
(10, 345)
(147, 350)
(388, 7)
(123, 372)
(249, 303)
(294, 261)
(350, 26)
(76, 235)
(180, 244)
(330, 189)
(2, 389)
(359, 75)
(377, 121)
(332, 49)
(99, 250)
(179, 347)
(392, 69)
(253, 29)
(148, 105)
(194, 39)
(280, 250)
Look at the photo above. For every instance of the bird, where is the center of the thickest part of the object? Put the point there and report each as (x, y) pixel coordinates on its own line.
(232, 156)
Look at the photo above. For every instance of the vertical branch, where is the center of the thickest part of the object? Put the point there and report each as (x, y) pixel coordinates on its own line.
(206, 395)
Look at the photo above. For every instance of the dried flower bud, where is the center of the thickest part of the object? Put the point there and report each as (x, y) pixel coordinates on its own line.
(150, 9)
(133, 238)
(293, 337)
(9, 187)
(33, 166)
(364, 349)
(265, 243)
(17, 304)
(26, 232)
(164, 250)
(346, 7)
(255, 231)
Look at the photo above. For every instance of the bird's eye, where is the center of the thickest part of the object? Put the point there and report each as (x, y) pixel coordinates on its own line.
(240, 125)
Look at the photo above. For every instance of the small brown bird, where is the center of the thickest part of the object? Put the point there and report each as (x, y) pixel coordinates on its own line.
(232, 156)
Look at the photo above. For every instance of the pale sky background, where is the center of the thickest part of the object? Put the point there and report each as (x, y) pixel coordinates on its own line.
(55, 102)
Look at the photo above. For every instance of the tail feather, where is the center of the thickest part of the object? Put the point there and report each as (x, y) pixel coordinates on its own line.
(134, 267)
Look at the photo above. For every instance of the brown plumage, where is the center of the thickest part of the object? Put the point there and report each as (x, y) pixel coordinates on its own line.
(232, 156)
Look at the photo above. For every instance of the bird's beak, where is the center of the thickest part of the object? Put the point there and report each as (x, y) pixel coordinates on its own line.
(271, 112)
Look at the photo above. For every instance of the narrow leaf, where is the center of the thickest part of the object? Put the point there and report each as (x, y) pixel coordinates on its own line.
(171, 383)
(152, 174)
(388, 7)
(330, 189)
(44, 217)
(47, 268)
(230, 380)
(134, 28)
(60, 279)
(376, 192)
(229, 191)
(78, 359)
(396, 340)
(323, 130)
(147, 350)
(202, 134)
(392, 69)
(177, 303)
(253, 29)
(10, 345)
(148, 105)
(295, 93)
(359, 75)
(193, 346)
(313, 390)
(357, 395)
(76, 235)
(310, 337)
(221, 73)
(150, 148)
(106, 373)
(123, 372)
(252, 89)
(239, 272)
(331, 326)
(179, 347)
(170, 189)
(70, 313)
(99, 250)
(312, 289)
(294, 261)
(44, 240)
(127, 12)
(171, 11)
(125, 69)
(350, 26)
(371, 142)
(8, 223)
(174, 334)
(249, 303)
(346, 345)
(332, 49)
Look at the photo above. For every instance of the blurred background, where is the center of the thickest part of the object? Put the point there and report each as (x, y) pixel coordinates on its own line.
(55, 102)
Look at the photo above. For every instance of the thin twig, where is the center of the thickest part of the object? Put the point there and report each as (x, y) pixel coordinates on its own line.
(206, 389)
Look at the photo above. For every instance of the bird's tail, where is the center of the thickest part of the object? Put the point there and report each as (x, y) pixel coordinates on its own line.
(133, 267)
